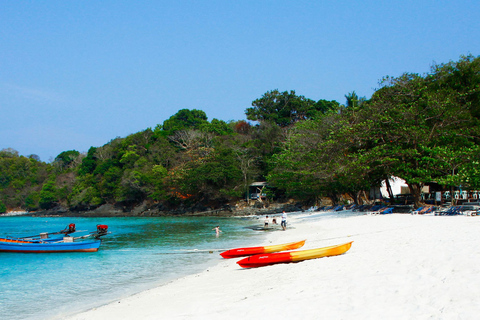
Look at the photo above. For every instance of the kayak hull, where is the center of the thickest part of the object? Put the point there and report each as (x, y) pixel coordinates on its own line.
(262, 260)
(242, 252)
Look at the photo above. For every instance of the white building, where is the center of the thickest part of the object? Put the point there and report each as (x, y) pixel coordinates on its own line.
(398, 185)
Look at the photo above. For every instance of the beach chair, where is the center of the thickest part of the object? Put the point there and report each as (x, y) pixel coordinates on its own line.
(367, 208)
(473, 212)
(417, 211)
(448, 212)
(454, 210)
(386, 210)
(378, 210)
(350, 207)
(470, 210)
(439, 211)
(425, 210)
(429, 210)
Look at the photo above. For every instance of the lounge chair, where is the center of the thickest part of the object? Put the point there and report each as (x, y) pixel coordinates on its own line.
(366, 208)
(429, 210)
(453, 211)
(385, 210)
(377, 207)
(417, 211)
(359, 208)
(350, 207)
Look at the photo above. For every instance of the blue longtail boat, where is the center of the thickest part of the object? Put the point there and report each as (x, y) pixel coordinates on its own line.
(66, 244)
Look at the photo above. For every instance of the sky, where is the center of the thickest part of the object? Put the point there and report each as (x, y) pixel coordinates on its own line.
(76, 74)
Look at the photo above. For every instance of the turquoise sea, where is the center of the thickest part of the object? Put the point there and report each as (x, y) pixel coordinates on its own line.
(139, 254)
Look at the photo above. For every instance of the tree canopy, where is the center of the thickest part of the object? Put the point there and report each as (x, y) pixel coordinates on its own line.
(422, 128)
(286, 108)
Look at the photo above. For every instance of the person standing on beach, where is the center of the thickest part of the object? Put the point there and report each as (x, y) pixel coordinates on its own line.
(284, 221)
(266, 221)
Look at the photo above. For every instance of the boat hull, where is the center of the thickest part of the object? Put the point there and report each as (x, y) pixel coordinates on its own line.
(48, 247)
(262, 260)
(242, 252)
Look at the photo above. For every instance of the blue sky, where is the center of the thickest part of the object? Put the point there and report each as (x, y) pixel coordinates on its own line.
(75, 74)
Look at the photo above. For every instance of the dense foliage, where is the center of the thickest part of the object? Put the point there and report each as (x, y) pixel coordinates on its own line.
(21, 180)
(419, 128)
(422, 128)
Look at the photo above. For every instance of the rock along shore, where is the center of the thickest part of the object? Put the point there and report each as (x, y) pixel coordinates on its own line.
(143, 210)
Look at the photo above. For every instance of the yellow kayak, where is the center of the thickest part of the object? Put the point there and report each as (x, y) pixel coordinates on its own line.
(261, 260)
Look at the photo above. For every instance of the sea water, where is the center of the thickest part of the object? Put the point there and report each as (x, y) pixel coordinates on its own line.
(140, 253)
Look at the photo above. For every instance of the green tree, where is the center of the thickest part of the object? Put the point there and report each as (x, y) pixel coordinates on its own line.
(285, 108)
(217, 127)
(156, 179)
(109, 184)
(215, 178)
(66, 158)
(183, 120)
(89, 163)
(354, 101)
(20, 177)
(48, 197)
(317, 162)
(414, 126)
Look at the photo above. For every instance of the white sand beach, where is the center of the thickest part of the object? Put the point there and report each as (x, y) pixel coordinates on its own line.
(400, 266)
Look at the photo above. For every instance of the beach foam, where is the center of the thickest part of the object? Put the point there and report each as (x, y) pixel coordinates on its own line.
(399, 267)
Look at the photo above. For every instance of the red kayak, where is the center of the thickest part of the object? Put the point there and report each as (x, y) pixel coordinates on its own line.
(242, 252)
(261, 260)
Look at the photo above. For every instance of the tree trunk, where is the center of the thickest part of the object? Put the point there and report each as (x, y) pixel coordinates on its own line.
(358, 198)
(334, 199)
(389, 190)
(415, 190)
(354, 196)
(453, 201)
(365, 196)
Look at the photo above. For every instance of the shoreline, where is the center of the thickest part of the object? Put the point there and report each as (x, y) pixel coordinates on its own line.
(143, 210)
(400, 266)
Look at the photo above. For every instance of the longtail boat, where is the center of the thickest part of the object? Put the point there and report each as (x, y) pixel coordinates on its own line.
(66, 244)
(261, 260)
(242, 252)
(49, 247)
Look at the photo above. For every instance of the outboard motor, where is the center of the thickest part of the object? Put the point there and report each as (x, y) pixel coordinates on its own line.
(71, 228)
(102, 229)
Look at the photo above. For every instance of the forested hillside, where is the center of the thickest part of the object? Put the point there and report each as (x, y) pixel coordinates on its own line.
(421, 128)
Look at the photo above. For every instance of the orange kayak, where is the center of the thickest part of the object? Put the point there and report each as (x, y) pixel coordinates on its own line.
(261, 260)
(242, 252)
